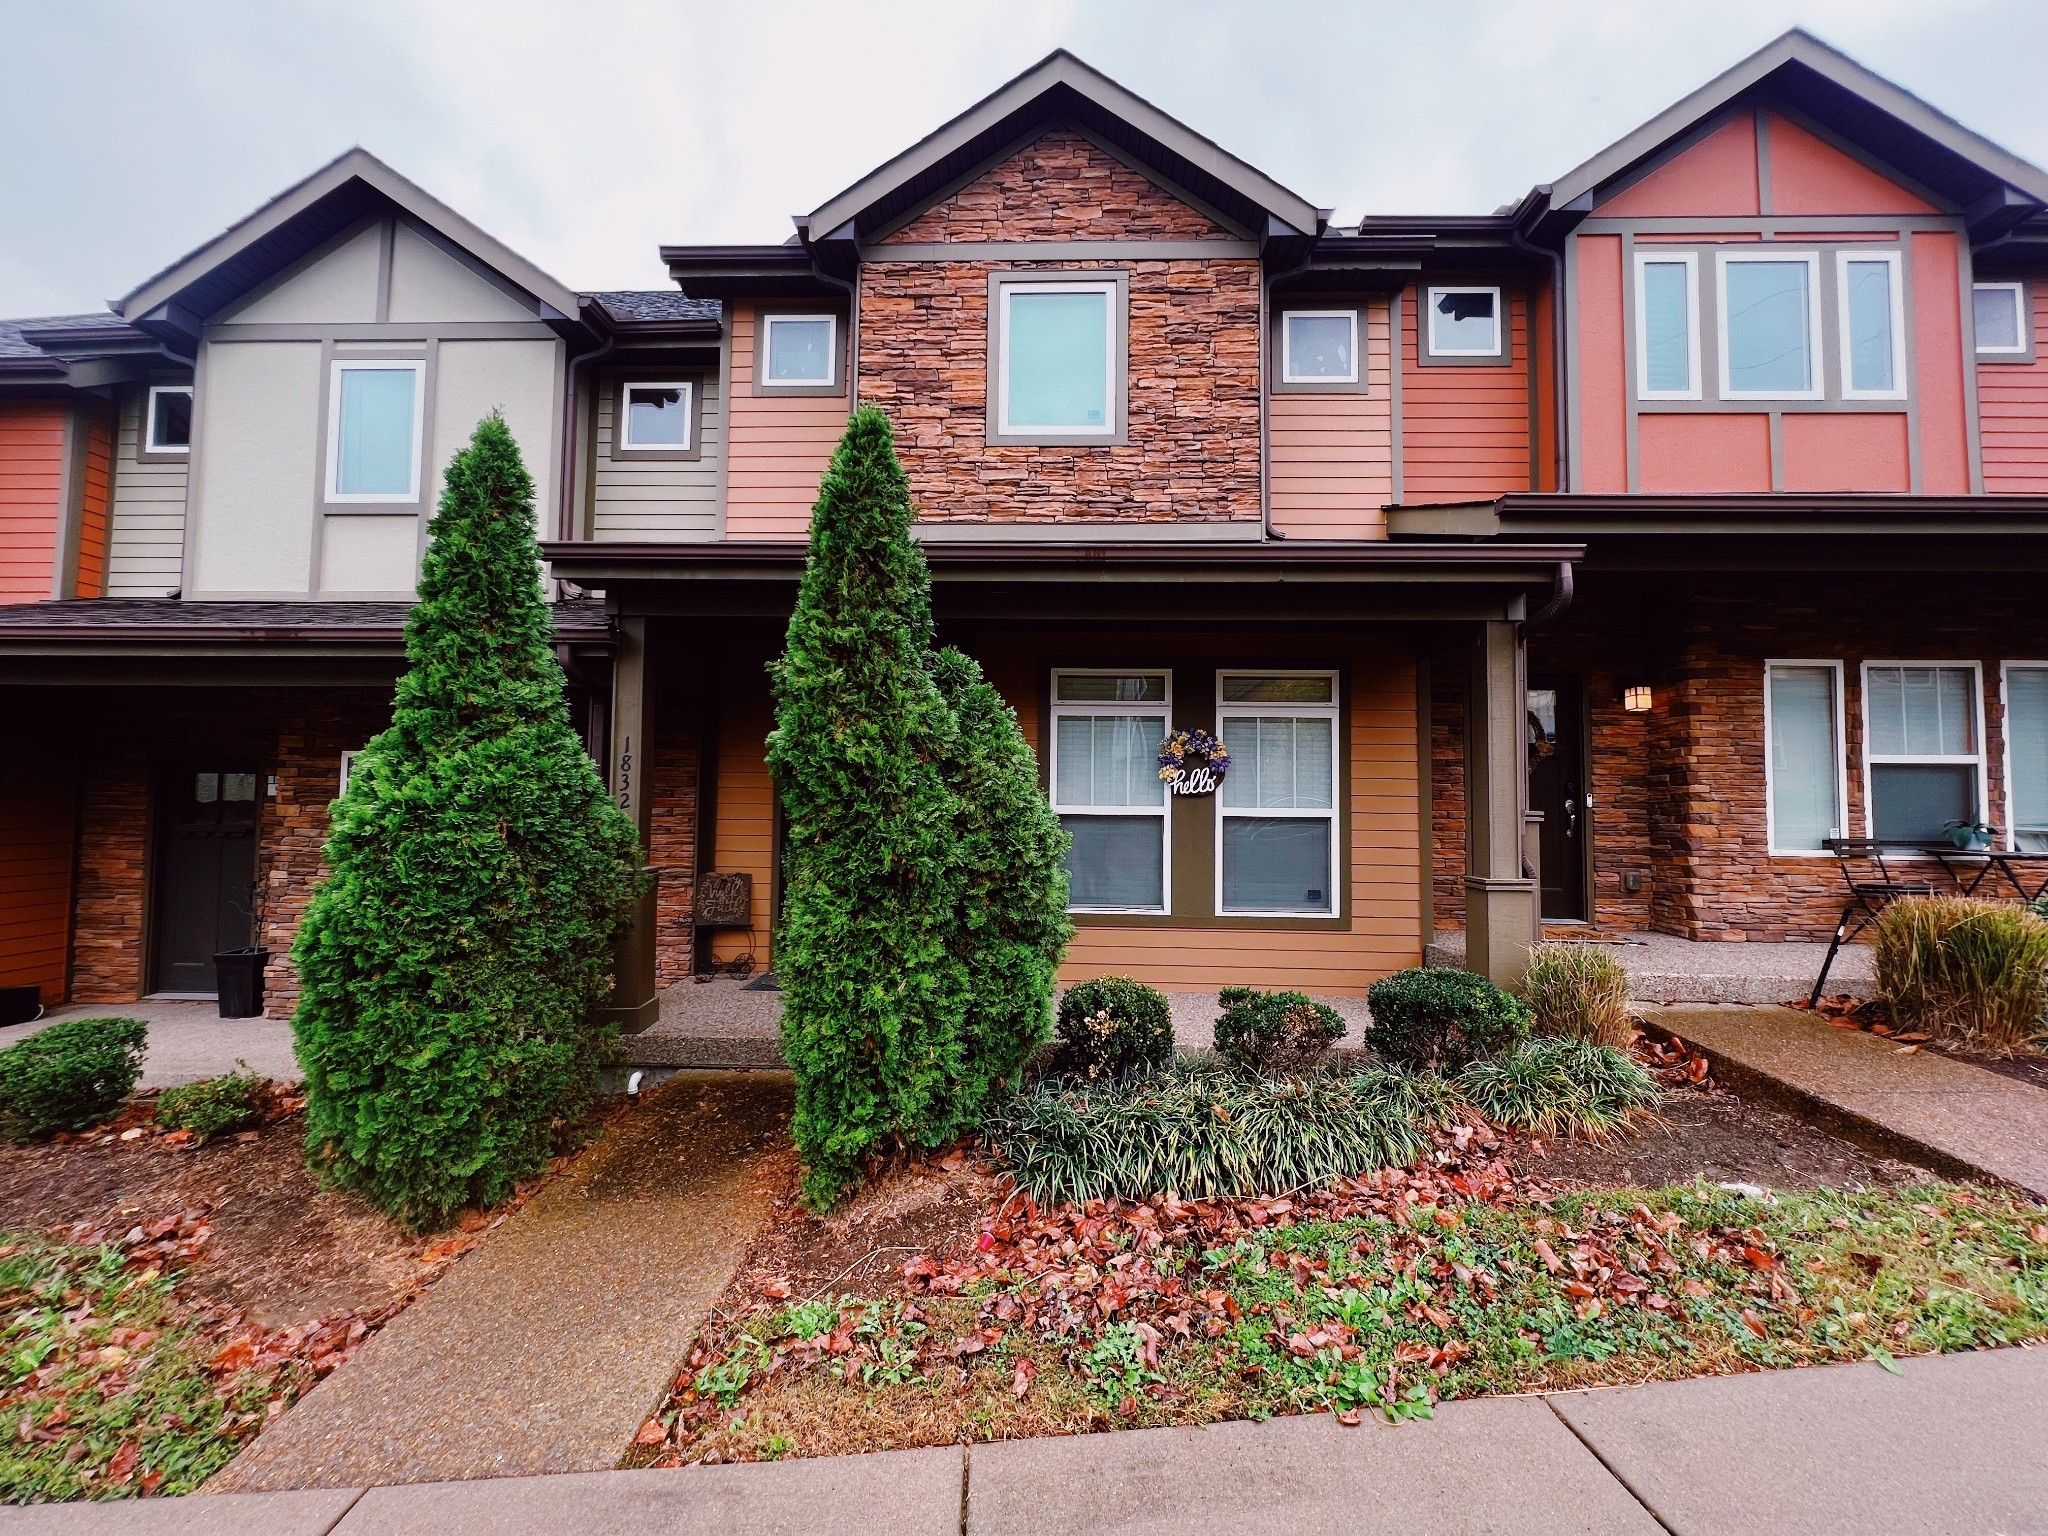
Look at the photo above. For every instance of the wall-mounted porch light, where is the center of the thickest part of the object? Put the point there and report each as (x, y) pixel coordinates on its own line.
(1636, 698)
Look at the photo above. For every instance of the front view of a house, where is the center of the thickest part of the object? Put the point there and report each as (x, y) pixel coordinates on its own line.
(1590, 563)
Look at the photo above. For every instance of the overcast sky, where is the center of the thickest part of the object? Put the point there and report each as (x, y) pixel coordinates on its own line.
(585, 134)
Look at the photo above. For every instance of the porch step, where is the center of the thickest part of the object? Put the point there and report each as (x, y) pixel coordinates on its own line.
(1665, 969)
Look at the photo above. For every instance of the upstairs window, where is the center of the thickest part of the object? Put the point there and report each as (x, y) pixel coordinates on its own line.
(800, 351)
(1057, 360)
(2000, 311)
(1464, 322)
(1925, 761)
(1106, 790)
(1873, 324)
(1277, 811)
(656, 416)
(373, 431)
(1770, 326)
(1319, 346)
(1667, 327)
(168, 424)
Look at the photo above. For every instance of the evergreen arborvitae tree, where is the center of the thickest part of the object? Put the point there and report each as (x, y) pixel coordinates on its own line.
(1012, 918)
(872, 993)
(454, 961)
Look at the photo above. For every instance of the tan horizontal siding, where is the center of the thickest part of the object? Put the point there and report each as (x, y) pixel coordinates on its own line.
(1332, 455)
(780, 446)
(658, 498)
(146, 538)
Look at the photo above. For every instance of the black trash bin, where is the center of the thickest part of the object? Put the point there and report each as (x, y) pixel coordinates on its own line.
(238, 973)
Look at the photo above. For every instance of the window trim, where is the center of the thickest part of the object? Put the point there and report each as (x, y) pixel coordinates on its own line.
(147, 447)
(692, 445)
(1287, 373)
(1816, 358)
(336, 369)
(1841, 758)
(2023, 349)
(1497, 353)
(1901, 369)
(1874, 759)
(1115, 430)
(1054, 711)
(1690, 261)
(2005, 671)
(1334, 713)
(764, 324)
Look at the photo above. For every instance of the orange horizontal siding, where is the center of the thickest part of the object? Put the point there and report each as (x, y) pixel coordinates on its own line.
(31, 483)
(778, 448)
(2012, 414)
(37, 812)
(1464, 429)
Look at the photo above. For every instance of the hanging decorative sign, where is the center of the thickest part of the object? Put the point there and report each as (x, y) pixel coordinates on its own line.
(1193, 763)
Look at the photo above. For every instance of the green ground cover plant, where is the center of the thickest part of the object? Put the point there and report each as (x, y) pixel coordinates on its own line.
(1561, 1087)
(1110, 1026)
(1968, 972)
(1274, 1031)
(1438, 1019)
(213, 1105)
(455, 960)
(69, 1075)
(1579, 992)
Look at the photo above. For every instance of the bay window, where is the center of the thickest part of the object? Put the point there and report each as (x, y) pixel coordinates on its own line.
(1276, 833)
(1769, 325)
(1803, 755)
(1924, 749)
(2026, 755)
(1106, 790)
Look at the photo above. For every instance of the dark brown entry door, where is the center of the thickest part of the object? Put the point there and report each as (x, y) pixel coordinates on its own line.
(1557, 782)
(206, 872)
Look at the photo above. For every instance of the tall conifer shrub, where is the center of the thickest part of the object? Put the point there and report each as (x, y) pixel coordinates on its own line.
(454, 961)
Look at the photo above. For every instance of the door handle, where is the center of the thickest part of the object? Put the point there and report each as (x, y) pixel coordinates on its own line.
(1571, 817)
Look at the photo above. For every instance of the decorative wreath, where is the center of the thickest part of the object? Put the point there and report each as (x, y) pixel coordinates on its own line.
(1181, 745)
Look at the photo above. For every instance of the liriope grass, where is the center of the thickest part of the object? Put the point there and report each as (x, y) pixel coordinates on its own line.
(1556, 1087)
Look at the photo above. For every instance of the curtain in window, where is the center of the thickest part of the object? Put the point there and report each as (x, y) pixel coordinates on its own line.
(2026, 735)
(1805, 758)
(1112, 761)
(1667, 328)
(1922, 711)
(1056, 354)
(1279, 762)
(375, 454)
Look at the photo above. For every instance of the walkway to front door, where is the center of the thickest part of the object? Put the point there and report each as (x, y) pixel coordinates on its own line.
(205, 872)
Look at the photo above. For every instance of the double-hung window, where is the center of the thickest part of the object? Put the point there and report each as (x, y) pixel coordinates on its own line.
(1319, 346)
(1106, 731)
(1803, 754)
(1924, 748)
(1057, 360)
(1276, 831)
(1463, 322)
(1667, 326)
(2026, 755)
(1769, 304)
(656, 417)
(373, 431)
(167, 425)
(2000, 313)
(1872, 316)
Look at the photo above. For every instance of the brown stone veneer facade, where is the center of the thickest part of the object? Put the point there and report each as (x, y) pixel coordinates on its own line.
(1678, 793)
(672, 851)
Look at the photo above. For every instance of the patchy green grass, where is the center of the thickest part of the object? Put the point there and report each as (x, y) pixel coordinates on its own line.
(1368, 1301)
(106, 1388)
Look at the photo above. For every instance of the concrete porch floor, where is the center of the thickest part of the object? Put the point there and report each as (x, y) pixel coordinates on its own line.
(187, 1040)
(1663, 968)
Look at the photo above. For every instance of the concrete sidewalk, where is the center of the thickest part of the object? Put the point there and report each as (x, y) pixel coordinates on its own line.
(187, 1040)
(1953, 1444)
(1945, 1114)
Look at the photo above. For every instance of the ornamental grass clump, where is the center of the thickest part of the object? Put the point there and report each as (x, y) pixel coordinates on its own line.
(1202, 1131)
(1275, 1032)
(455, 960)
(1112, 1026)
(1967, 972)
(1435, 1019)
(1579, 992)
(1561, 1087)
(69, 1075)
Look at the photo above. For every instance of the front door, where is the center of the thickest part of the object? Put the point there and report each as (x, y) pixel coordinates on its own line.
(1557, 780)
(206, 872)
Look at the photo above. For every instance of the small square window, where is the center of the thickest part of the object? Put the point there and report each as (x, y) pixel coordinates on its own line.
(656, 416)
(170, 419)
(799, 350)
(1319, 346)
(1464, 322)
(2000, 312)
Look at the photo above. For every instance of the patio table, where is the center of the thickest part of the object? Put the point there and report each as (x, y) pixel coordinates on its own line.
(2018, 868)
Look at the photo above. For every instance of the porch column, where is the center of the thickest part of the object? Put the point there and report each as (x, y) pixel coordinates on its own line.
(633, 1005)
(1500, 900)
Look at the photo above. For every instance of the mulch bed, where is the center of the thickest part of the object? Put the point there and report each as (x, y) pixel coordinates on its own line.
(1872, 1017)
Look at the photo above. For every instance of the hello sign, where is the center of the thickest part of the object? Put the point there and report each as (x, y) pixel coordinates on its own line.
(1193, 763)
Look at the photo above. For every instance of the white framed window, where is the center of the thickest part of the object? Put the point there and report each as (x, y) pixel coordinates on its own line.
(348, 766)
(376, 409)
(799, 350)
(1806, 771)
(1923, 757)
(1058, 346)
(1276, 814)
(1106, 789)
(1319, 346)
(1999, 311)
(1667, 326)
(1769, 307)
(655, 416)
(1464, 322)
(167, 419)
(1871, 314)
(2024, 688)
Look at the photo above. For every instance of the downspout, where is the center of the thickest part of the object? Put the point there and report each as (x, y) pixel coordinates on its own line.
(565, 513)
(1266, 282)
(1522, 243)
(1560, 599)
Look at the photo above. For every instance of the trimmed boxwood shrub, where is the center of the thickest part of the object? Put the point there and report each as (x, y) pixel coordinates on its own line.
(1274, 1031)
(1437, 1019)
(1112, 1027)
(232, 1102)
(69, 1075)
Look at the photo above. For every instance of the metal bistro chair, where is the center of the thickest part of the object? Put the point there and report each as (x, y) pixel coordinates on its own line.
(1867, 896)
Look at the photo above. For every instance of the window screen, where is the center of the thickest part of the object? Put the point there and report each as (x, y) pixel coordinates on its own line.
(1926, 758)
(1107, 791)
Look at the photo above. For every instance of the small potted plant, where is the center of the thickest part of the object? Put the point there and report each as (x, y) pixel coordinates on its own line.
(1970, 835)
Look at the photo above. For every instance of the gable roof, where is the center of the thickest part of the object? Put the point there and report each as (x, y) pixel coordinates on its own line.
(298, 221)
(1060, 85)
(1990, 185)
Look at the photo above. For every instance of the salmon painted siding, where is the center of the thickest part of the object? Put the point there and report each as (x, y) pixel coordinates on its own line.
(1602, 382)
(1938, 363)
(1811, 177)
(2012, 413)
(1717, 176)
(32, 447)
(1676, 455)
(1332, 455)
(1464, 429)
(779, 448)
(95, 508)
(38, 809)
